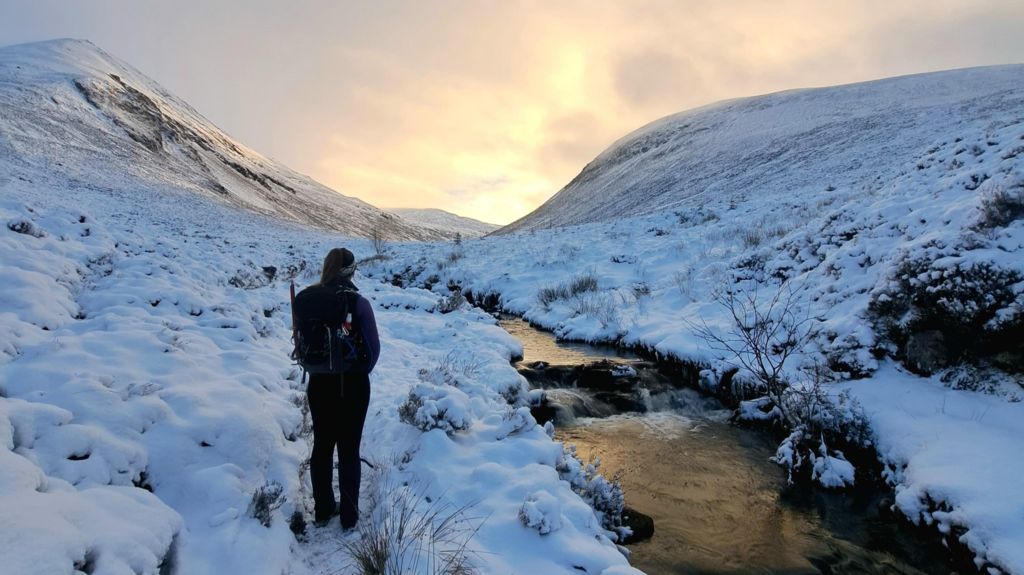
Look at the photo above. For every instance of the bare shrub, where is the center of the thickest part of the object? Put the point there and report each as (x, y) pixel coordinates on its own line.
(762, 336)
(381, 234)
(410, 532)
(582, 283)
(550, 294)
(450, 367)
(375, 258)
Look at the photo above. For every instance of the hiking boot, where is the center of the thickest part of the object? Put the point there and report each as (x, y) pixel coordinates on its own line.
(323, 519)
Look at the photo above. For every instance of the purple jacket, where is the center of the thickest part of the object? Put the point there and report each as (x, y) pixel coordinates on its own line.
(366, 324)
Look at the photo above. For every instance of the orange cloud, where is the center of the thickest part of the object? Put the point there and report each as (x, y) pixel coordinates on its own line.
(488, 108)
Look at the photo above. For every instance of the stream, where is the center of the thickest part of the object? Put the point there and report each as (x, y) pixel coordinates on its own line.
(719, 505)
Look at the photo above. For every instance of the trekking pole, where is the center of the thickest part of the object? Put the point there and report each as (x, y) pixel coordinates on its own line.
(294, 322)
(295, 326)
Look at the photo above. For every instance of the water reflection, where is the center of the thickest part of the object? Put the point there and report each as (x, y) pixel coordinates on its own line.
(718, 503)
(544, 347)
(714, 497)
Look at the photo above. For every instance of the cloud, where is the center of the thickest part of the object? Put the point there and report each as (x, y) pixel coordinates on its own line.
(489, 108)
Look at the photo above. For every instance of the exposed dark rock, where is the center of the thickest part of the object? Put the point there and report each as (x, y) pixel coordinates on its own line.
(642, 526)
(926, 352)
(597, 389)
(544, 412)
(489, 302)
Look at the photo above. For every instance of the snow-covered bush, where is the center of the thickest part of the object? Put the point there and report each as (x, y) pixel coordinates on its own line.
(604, 496)
(515, 420)
(815, 420)
(541, 511)
(26, 227)
(825, 466)
(830, 468)
(451, 302)
(938, 311)
(266, 499)
(436, 407)
(1001, 205)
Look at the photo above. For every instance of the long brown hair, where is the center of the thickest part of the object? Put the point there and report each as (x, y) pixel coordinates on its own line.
(337, 260)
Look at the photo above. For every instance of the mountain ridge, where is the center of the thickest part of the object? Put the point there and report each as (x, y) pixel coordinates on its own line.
(716, 148)
(71, 108)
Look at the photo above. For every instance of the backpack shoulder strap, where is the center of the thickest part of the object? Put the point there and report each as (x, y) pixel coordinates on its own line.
(350, 296)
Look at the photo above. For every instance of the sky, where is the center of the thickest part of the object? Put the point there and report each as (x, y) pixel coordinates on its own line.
(488, 108)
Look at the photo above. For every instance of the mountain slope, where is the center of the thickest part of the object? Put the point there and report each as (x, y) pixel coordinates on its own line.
(793, 142)
(446, 222)
(68, 108)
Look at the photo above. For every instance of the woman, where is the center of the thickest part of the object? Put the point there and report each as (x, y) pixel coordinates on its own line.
(338, 403)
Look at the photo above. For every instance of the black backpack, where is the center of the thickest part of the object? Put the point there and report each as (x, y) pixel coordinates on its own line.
(326, 340)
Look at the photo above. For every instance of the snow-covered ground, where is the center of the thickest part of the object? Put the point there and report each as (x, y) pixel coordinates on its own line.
(937, 246)
(146, 394)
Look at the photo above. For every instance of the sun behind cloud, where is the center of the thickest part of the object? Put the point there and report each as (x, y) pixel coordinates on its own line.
(488, 109)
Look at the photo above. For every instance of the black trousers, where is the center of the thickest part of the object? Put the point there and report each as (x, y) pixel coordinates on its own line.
(337, 422)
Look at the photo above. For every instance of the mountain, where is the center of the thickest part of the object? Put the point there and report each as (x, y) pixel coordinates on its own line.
(793, 142)
(71, 110)
(446, 222)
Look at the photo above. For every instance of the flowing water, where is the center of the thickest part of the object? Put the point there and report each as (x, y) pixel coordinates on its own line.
(719, 505)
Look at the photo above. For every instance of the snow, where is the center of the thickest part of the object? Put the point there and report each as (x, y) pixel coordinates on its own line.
(72, 109)
(832, 470)
(133, 356)
(146, 395)
(934, 207)
(840, 136)
(449, 223)
(957, 447)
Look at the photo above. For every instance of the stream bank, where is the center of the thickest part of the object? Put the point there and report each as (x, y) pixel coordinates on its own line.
(718, 504)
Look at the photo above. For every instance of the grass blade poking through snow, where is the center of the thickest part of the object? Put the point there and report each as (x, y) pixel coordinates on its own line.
(408, 531)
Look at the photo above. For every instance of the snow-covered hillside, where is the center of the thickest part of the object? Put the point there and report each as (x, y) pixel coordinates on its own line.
(909, 277)
(67, 107)
(447, 222)
(795, 143)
